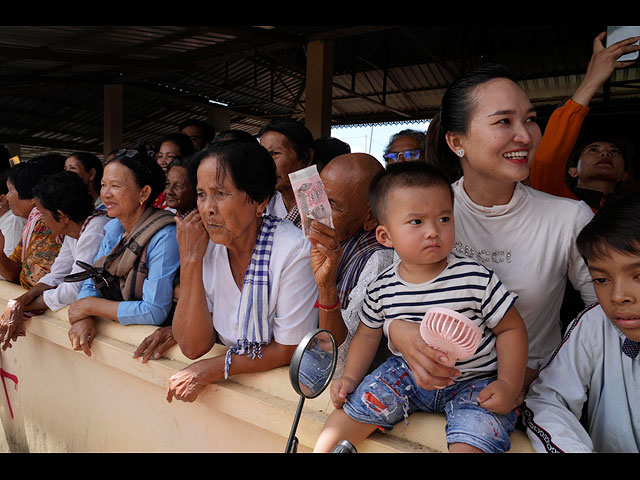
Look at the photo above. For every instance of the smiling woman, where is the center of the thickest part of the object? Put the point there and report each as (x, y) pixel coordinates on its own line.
(89, 168)
(179, 192)
(484, 137)
(139, 249)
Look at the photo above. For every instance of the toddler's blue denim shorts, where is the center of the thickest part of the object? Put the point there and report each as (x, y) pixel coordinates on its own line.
(389, 394)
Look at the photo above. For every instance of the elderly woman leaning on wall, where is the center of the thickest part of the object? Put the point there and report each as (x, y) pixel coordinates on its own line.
(139, 248)
(67, 209)
(244, 271)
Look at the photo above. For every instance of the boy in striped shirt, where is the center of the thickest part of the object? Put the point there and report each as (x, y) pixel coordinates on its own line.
(413, 203)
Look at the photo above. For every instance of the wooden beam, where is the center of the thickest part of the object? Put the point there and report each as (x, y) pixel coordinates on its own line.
(318, 87)
(113, 118)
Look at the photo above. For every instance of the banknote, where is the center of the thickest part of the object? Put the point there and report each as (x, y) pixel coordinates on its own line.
(311, 197)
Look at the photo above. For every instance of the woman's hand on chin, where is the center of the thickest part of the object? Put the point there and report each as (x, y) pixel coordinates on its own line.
(192, 236)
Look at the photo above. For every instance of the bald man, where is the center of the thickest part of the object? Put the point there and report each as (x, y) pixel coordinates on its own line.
(347, 257)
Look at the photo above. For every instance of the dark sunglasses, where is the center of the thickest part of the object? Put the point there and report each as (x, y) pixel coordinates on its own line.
(408, 155)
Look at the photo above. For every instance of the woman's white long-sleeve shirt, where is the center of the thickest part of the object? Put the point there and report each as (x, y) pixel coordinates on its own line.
(531, 245)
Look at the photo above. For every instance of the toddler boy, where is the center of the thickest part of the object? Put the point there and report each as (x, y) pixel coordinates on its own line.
(413, 203)
(597, 364)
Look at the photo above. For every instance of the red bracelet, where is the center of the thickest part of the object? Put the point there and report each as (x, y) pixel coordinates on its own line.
(327, 308)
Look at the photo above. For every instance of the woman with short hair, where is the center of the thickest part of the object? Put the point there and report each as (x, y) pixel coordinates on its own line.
(67, 209)
(172, 147)
(248, 274)
(290, 144)
(38, 247)
(179, 192)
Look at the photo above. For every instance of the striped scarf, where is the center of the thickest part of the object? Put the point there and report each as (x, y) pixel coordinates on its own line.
(254, 324)
(356, 252)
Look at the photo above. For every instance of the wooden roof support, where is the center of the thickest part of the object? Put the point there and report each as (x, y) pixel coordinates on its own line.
(319, 83)
(113, 118)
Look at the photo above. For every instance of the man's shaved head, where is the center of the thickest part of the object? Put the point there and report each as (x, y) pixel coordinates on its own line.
(347, 179)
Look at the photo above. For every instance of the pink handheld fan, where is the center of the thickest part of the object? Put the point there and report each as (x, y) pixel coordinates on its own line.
(451, 333)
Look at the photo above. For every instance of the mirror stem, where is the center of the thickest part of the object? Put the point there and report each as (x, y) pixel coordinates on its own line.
(292, 444)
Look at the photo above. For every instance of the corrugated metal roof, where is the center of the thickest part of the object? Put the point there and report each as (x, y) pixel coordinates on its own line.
(52, 77)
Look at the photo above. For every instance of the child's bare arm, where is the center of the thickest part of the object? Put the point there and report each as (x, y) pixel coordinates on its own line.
(362, 351)
(512, 346)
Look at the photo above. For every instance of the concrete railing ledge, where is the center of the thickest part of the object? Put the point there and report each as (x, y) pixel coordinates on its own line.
(110, 402)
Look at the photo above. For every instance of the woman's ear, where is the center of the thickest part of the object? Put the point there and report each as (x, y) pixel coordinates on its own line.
(383, 237)
(454, 142)
(145, 192)
(261, 207)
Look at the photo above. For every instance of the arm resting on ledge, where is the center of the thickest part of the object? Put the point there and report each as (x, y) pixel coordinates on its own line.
(187, 384)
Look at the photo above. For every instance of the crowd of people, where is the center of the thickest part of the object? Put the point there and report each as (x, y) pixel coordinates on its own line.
(532, 237)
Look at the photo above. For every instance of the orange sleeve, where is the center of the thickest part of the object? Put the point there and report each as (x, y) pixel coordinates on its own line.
(547, 169)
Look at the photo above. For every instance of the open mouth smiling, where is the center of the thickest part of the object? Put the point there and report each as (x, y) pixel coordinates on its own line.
(517, 156)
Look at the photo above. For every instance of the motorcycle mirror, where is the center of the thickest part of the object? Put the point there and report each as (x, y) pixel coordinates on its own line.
(310, 371)
(313, 363)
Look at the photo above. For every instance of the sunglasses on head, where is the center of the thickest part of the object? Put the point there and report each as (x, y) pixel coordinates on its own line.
(408, 155)
(127, 153)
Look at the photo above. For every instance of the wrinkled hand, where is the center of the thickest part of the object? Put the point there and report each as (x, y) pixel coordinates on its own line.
(81, 334)
(155, 344)
(187, 384)
(499, 397)
(340, 388)
(325, 253)
(192, 237)
(427, 364)
(11, 324)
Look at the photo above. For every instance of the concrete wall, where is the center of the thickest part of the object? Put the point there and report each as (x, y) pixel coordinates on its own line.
(65, 401)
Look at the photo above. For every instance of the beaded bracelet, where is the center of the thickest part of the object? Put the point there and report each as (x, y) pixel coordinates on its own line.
(327, 308)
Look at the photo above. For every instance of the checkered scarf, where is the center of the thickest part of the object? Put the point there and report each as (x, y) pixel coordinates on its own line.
(254, 325)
